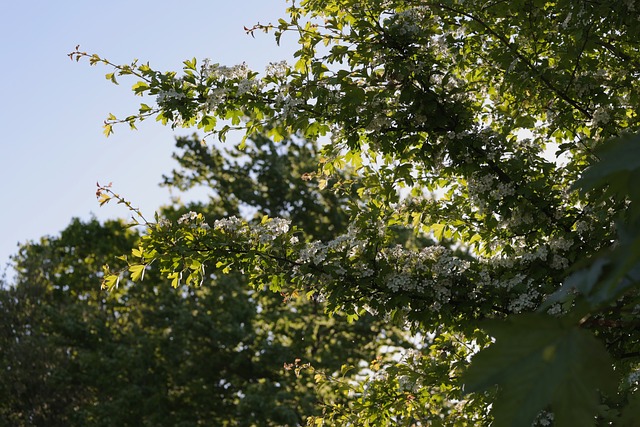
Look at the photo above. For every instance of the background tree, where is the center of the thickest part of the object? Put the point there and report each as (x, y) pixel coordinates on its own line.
(502, 135)
(151, 355)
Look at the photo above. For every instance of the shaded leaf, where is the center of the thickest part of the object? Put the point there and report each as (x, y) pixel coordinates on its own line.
(539, 361)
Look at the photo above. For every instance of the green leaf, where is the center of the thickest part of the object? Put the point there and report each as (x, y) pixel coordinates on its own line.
(609, 276)
(617, 171)
(438, 230)
(137, 272)
(208, 123)
(629, 417)
(111, 77)
(235, 116)
(175, 278)
(620, 155)
(104, 198)
(539, 361)
(190, 64)
(275, 134)
(110, 281)
(582, 281)
(140, 87)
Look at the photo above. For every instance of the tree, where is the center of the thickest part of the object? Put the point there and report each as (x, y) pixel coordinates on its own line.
(501, 137)
(151, 355)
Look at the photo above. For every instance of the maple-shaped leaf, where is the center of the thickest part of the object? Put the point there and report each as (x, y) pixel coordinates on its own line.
(540, 362)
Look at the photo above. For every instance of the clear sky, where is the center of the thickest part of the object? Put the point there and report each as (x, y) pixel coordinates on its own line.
(52, 150)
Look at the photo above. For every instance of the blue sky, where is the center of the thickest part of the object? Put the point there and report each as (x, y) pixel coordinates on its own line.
(52, 150)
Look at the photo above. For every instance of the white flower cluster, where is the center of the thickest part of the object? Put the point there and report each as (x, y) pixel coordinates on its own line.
(601, 117)
(271, 229)
(215, 97)
(555, 310)
(583, 227)
(517, 218)
(553, 252)
(502, 190)
(559, 262)
(566, 21)
(244, 86)
(509, 283)
(524, 292)
(582, 87)
(406, 383)
(441, 293)
(230, 224)
(406, 23)
(432, 269)
(260, 233)
(403, 281)
(412, 356)
(164, 223)
(349, 243)
(169, 95)
(560, 243)
(525, 301)
(219, 72)
(289, 104)
(315, 252)
(479, 185)
(446, 263)
(540, 253)
(218, 95)
(193, 219)
(236, 77)
(187, 218)
(634, 378)
(544, 419)
(277, 70)
(440, 45)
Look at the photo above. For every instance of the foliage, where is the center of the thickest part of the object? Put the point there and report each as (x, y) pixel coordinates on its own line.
(448, 113)
(151, 355)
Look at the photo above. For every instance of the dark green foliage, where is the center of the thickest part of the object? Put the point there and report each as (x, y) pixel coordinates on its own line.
(544, 362)
(150, 355)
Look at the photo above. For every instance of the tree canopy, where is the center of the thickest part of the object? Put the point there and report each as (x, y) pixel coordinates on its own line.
(147, 354)
(486, 156)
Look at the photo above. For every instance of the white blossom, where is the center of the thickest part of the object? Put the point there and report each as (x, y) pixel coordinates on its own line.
(169, 95)
(230, 224)
(164, 223)
(216, 97)
(560, 243)
(555, 310)
(187, 218)
(219, 72)
(525, 301)
(277, 70)
(601, 116)
(244, 86)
